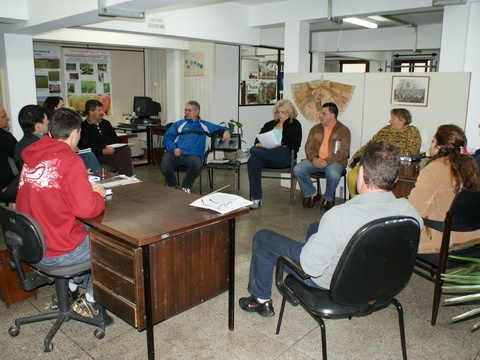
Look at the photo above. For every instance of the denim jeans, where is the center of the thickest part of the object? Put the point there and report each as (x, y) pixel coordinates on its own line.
(276, 158)
(193, 163)
(78, 255)
(267, 247)
(333, 174)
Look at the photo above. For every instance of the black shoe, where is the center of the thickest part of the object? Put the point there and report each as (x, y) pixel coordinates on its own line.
(91, 310)
(250, 304)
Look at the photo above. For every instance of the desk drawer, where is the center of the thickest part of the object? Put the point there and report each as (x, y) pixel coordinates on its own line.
(117, 275)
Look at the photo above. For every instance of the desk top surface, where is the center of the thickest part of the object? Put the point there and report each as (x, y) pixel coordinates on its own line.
(144, 213)
(406, 171)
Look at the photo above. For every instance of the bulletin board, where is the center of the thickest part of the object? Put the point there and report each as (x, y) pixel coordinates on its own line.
(370, 105)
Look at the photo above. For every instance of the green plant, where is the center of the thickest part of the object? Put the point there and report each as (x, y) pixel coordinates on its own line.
(232, 124)
(467, 279)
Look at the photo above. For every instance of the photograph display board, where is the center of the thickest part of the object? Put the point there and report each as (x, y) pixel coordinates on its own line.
(88, 75)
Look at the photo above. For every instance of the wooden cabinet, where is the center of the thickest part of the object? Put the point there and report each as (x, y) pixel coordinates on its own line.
(185, 270)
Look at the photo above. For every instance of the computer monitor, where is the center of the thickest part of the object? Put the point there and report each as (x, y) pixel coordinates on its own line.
(144, 106)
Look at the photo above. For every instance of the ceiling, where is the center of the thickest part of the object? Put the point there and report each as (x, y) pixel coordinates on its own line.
(391, 20)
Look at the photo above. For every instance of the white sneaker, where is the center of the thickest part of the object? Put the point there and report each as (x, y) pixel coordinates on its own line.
(256, 204)
(186, 190)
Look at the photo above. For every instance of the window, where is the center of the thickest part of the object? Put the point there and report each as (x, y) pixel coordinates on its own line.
(354, 66)
(261, 75)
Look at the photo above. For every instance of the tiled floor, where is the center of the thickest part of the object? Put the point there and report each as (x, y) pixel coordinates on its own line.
(202, 333)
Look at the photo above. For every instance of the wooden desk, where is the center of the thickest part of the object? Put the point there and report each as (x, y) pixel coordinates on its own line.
(406, 179)
(153, 255)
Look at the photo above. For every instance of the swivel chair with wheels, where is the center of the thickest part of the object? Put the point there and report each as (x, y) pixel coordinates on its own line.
(26, 243)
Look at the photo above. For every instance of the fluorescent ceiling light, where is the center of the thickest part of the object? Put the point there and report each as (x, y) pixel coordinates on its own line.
(112, 12)
(361, 22)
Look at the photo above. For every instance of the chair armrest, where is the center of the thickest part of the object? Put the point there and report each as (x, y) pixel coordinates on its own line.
(279, 280)
(434, 224)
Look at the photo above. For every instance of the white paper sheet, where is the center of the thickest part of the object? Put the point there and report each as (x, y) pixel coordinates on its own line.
(117, 145)
(267, 139)
(221, 202)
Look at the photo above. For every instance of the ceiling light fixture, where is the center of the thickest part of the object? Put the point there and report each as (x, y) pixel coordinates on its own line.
(361, 22)
(111, 12)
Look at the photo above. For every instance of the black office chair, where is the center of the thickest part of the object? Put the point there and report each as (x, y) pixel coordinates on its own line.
(217, 144)
(25, 242)
(287, 170)
(321, 175)
(376, 265)
(463, 216)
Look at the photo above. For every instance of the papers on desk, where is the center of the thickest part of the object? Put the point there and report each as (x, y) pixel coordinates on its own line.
(267, 139)
(221, 202)
(118, 180)
(117, 145)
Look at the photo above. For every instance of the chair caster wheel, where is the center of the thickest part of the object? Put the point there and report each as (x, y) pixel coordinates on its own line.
(99, 333)
(14, 331)
(48, 347)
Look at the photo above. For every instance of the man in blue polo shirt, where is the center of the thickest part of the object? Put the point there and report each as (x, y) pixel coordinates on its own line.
(185, 145)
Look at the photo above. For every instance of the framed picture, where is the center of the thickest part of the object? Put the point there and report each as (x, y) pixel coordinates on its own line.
(410, 90)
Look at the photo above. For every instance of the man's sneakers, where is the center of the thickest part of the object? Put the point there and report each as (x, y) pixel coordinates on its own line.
(251, 304)
(91, 310)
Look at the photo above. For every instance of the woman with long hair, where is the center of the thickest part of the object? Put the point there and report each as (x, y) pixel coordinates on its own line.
(451, 168)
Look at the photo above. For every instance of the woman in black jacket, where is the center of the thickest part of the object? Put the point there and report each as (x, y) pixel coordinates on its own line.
(287, 131)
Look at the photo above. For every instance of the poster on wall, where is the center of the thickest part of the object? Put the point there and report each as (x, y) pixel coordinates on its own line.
(193, 63)
(47, 72)
(310, 96)
(88, 75)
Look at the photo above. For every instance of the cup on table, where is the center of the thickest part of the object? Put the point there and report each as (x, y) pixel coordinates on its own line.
(102, 173)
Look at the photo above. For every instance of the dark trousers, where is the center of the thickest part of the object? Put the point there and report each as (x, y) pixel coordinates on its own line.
(276, 158)
(121, 160)
(170, 162)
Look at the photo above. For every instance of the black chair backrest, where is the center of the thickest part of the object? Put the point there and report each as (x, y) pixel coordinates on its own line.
(22, 235)
(377, 263)
(465, 211)
(218, 144)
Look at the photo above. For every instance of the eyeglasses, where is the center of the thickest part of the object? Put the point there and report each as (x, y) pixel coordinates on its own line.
(189, 110)
(217, 205)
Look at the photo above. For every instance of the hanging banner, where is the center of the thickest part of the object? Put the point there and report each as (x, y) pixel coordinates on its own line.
(88, 75)
(47, 72)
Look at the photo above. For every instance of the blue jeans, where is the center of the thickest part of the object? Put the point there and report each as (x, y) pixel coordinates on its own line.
(277, 158)
(193, 163)
(78, 255)
(333, 174)
(267, 247)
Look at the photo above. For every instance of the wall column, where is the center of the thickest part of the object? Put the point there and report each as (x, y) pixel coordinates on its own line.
(297, 45)
(17, 62)
(460, 52)
(175, 101)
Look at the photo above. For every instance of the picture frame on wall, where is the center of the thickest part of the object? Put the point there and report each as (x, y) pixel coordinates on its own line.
(410, 90)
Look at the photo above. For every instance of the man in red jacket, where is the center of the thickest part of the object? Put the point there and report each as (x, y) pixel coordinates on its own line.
(54, 190)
